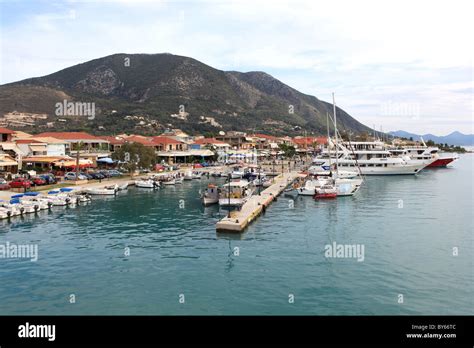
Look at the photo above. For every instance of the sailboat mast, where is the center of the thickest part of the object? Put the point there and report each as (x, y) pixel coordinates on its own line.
(329, 141)
(335, 128)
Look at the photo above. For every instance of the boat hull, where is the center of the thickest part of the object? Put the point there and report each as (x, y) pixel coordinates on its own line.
(441, 162)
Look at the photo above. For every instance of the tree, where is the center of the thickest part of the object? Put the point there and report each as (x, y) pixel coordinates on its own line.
(289, 150)
(135, 156)
(430, 143)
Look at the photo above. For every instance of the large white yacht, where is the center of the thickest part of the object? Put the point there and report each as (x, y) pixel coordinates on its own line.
(425, 154)
(371, 157)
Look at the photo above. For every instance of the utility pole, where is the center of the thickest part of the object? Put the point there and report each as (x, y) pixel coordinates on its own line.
(228, 194)
(77, 160)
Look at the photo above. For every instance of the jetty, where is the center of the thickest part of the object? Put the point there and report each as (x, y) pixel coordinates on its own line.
(256, 204)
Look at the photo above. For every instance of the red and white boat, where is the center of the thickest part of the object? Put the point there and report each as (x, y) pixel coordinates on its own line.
(443, 161)
(428, 154)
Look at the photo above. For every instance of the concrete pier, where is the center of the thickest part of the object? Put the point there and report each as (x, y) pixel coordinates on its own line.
(254, 206)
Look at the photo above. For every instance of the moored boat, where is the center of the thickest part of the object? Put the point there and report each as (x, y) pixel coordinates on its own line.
(147, 184)
(235, 193)
(103, 191)
(211, 195)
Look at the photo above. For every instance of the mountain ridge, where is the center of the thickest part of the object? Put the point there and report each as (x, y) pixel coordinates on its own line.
(453, 138)
(166, 91)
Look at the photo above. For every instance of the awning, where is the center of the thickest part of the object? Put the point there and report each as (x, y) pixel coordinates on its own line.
(72, 164)
(45, 159)
(38, 148)
(7, 163)
(11, 147)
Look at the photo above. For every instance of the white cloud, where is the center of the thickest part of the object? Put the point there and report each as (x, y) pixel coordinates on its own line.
(368, 52)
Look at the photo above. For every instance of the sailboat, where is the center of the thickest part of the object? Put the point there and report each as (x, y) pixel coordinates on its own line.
(345, 185)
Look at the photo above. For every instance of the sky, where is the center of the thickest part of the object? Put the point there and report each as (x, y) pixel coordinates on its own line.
(391, 64)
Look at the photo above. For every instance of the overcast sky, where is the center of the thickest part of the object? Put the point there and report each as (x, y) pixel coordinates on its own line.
(393, 64)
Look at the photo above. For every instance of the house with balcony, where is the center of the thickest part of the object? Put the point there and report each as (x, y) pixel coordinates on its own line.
(115, 142)
(237, 140)
(87, 146)
(164, 143)
(10, 154)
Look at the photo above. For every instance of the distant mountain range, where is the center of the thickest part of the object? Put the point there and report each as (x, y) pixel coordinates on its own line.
(455, 138)
(146, 93)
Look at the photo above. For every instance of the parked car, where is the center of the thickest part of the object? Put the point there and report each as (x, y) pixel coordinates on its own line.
(20, 183)
(37, 181)
(114, 173)
(87, 175)
(97, 175)
(49, 178)
(72, 176)
(4, 184)
(105, 173)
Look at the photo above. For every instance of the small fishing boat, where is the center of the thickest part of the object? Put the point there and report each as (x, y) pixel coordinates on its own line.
(169, 182)
(179, 180)
(104, 191)
(29, 206)
(197, 175)
(57, 199)
(235, 193)
(4, 213)
(14, 209)
(211, 195)
(147, 184)
(188, 175)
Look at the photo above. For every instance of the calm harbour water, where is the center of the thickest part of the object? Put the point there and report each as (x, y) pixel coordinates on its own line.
(176, 251)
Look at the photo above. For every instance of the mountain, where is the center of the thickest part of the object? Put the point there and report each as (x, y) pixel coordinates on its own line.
(455, 138)
(147, 92)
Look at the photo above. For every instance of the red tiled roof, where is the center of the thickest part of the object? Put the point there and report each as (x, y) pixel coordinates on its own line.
(28, 141)
(69, 135)
(6, 131)
(310, 140)
(114, 140)
(139, 139)
(203, 141)
(165, 140)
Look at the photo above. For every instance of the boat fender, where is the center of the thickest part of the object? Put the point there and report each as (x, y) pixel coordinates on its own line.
(50, 205)
(22, 210)
(9, 213)
(68, 200)
(36, 208)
